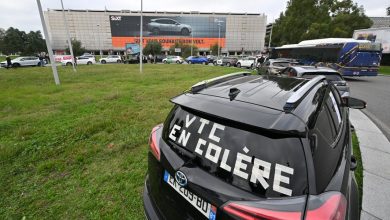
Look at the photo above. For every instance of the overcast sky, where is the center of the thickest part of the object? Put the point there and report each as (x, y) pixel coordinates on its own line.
(23, 14)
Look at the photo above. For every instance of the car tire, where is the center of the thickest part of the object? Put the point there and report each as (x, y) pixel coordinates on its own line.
(239, 65)
(228, 64)
(119, 61)
(185, 32)
(16, 65)
(178, 62)
(204, 63)
(69, 64)
(89, 63)
(155, 31)
(215, 63)
(103, 62)
(165, 62)
(189, 62)
(251, 66)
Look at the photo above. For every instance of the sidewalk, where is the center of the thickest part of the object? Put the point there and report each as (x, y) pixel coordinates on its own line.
(375, 150)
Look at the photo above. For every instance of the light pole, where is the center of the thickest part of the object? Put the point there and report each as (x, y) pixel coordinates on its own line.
(140, 42)
(270, 37)
(192, 41)
(219, 33)
(48, 44)
(100, 44)
(68, 36)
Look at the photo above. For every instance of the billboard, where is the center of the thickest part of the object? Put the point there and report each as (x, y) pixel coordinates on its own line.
(202, 31)
(379, 35)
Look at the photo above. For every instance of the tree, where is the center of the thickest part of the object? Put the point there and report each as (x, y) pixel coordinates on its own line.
(34, 43)
(78, 49)
(185, 49)
(152, 47)
(14, 41)
(388, 11)
(310, 19)
(214, 49)
(2, 35)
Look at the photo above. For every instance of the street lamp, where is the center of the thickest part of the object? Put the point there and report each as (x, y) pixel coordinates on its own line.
(100, 45)
(192, 41)
(219, 33)
(68, 36)
(140, 42)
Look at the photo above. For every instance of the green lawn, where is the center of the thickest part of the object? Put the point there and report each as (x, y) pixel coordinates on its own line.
(384, 70)
(79, 150)
(359, 169)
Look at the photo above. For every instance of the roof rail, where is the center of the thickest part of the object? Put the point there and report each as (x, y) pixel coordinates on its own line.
(204, 84)
(292, 102)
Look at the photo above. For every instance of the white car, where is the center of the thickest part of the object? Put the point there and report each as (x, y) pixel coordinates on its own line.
(111, 59)
(247, 62)
(80, 61)
(173, 59)
(23, 61)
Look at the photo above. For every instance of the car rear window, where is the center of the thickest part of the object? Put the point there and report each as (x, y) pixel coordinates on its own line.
(329, 76)
(262, 163)
(281, 64)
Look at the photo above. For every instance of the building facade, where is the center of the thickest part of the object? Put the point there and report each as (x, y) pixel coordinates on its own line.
(114, 31)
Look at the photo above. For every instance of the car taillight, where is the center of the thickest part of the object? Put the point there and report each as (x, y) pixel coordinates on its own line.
(327, 206)
(273, 209)
(153, 144)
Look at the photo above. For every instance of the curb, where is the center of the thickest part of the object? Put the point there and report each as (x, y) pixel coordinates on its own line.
(375, 151)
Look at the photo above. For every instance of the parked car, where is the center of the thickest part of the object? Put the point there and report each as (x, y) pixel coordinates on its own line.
(274, 66)
(247, 62)
(211, 58)
(173, 59)
(197, 59)
(23, 61)
(242, 146)
(311, 71)
(110, 59)
(167, 25)
(159, 58)
(227, 61)
(88, 55)
(79, 61)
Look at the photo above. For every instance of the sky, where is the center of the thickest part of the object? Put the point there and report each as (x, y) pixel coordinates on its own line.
(24, 15)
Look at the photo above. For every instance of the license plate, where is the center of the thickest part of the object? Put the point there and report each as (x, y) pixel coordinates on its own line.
(202, 206)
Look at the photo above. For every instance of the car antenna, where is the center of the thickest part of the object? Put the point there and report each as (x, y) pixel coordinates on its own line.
(233, 92)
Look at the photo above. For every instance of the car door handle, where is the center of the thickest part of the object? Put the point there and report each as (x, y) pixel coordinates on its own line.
(353, 163)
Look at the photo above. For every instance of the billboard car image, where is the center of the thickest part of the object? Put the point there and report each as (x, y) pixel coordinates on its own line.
(168, 30)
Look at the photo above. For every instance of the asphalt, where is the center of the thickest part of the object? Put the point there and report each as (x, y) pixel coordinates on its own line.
(376, 92)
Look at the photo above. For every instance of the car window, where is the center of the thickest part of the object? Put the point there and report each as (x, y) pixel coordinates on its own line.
(217, 146)
(281, 64)
(329, 76)
(171, 22)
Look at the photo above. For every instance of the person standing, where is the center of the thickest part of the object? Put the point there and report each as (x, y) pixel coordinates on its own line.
(9, 63)
(41, 59)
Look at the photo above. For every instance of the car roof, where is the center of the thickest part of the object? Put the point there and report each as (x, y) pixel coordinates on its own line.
(312, 69)
(260, 102)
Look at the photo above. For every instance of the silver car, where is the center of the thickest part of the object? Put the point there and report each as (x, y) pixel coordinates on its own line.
(311, 71)
(24, 61)
(167, 25)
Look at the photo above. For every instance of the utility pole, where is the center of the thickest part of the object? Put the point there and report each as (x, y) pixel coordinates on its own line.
(100, 44)
(140, 43)
(270, 37)
(48, 44)
(68, 36)
(219, 34)
(192, 41)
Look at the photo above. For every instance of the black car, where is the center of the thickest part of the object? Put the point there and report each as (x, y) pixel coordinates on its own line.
(229, 61)
(254, 147)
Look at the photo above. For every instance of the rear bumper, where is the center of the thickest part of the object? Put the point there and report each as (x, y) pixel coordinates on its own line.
(149, 208)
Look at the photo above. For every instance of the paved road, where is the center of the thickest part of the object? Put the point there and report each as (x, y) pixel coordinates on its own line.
(376, 92)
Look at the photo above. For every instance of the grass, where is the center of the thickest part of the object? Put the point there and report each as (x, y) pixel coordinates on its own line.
(359, 169)
(78, 150)
(384, 70)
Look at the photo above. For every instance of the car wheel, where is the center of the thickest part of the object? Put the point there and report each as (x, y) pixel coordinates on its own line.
(228, 64)
(165, 62)
(189, 62)
(178, 62)
(119, 61)
(185, 32)
(69, 64)
(239, 65)
(155, 31)
(204, 63)
(103, 62)
(215, 63)
(16, 65)
(251, 66)
(89, 63)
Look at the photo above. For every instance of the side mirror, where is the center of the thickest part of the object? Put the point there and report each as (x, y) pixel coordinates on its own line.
(354, 103)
